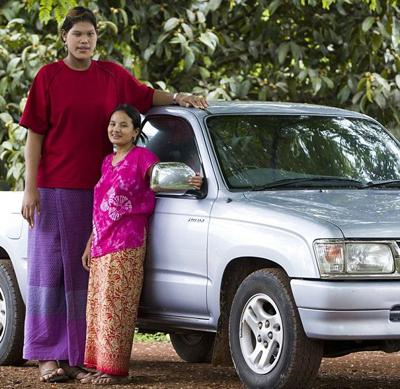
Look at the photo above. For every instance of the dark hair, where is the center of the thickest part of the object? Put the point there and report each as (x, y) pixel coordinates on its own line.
(134, 114)
(76, 15)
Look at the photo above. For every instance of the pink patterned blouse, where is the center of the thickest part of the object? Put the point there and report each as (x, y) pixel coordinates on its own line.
(123, 202)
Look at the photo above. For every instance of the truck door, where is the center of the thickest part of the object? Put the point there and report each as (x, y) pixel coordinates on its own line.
(175, 278)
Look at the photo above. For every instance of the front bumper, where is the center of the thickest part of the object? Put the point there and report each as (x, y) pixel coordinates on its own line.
(343, 310)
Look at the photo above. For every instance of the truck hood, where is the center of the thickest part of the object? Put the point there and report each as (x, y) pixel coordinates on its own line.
(358, 213)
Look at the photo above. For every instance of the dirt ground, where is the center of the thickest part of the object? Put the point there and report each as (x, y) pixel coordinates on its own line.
(155, 365)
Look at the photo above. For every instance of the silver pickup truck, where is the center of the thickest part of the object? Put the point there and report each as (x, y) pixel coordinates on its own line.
(290, 252)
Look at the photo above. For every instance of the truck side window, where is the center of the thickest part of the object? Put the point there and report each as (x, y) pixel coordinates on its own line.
(172, 140)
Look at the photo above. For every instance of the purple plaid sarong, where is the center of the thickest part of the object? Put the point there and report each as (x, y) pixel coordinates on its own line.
(55, 323)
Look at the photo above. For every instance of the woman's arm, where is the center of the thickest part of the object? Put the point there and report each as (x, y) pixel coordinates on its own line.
(31, 199)
(165, 98)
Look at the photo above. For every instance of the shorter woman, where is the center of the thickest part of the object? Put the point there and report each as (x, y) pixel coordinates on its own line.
(123, 202)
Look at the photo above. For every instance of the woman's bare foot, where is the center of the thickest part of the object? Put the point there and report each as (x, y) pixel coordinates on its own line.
(91, 377)
(107, 379)
(50, 372)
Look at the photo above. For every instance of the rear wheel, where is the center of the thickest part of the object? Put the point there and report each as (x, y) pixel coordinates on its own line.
(193, 346)
(12, 316)
(268, 345)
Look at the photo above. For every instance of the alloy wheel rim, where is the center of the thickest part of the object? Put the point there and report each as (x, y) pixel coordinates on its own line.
(261, 333)
(3, 316)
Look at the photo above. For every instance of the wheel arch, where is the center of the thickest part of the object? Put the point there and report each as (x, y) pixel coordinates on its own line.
(4, 254)
(235, 272)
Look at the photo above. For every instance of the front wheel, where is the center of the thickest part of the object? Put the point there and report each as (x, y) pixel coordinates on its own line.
(268, 345)
(193, 346)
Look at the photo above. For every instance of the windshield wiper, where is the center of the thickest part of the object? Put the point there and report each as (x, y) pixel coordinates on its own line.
(295, 182)
(385, 183)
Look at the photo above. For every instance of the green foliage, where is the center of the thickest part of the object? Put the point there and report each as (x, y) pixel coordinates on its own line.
(48, 8)
(12, 150)
(154, 337)
(336, 52)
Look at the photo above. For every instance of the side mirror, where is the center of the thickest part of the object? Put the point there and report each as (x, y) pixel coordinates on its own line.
(171, 177)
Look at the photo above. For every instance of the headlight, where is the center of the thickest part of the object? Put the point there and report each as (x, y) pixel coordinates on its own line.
(369, 258)
(354, 258)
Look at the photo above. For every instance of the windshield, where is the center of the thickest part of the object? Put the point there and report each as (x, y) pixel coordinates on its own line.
(302, 151)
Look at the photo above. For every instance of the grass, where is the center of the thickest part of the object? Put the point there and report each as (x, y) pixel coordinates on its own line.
(154, 337)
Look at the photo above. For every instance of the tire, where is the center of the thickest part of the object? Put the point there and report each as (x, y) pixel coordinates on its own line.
(268, 345)
(12, 316)
(193, 346)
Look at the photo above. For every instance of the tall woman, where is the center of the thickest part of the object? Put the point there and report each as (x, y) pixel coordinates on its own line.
(67, 113)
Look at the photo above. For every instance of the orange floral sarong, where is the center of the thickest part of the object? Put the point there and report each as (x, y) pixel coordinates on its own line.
(115, 284)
